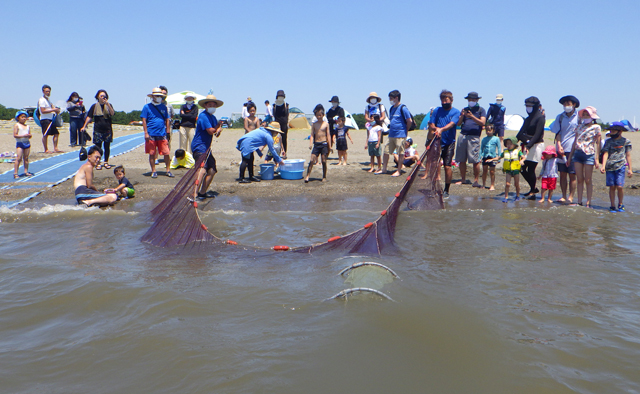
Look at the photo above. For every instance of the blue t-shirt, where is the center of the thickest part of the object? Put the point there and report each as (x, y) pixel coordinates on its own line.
(441, 118)
(490, 147)
(398, 121)
(202, 139)
(469, 126)
(156, 124)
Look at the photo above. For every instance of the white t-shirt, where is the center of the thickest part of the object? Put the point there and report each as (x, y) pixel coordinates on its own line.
(410, 151)
(245, 112)
(269, 111)
(44, 103)
(23, 130)
(373, 133)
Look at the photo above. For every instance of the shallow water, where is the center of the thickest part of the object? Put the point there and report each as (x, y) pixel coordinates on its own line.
(491, 298)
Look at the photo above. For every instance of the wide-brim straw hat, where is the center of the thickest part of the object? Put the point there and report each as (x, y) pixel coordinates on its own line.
(211, 98)
(593, 113)
(374, 95)
(156, 92)
(274, 126)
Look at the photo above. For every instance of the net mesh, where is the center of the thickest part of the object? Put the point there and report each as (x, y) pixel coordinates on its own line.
(176, 219)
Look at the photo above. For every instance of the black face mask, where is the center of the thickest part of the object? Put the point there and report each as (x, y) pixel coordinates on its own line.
(614, 136)
(446, 106)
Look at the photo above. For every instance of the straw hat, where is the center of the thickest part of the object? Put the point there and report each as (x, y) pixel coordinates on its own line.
(374, 95)
(211, 98)
(274, 126)
(156, 92)
(593, 113)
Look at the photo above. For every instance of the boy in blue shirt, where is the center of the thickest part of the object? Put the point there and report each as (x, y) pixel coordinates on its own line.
(156, 122)
(489, 149)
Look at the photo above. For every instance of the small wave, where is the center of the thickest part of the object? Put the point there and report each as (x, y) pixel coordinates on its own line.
(57, 209)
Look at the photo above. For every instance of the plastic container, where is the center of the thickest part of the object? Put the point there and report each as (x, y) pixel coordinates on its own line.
(291, 174)
(292, 165)
(266, 171)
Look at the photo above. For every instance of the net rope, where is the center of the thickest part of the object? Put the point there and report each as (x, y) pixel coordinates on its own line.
(178, 223)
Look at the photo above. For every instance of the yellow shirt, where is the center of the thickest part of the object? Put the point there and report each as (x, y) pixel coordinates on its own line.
(186, 162)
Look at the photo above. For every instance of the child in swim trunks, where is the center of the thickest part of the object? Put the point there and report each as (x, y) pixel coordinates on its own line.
(513, 160)
(125, 188)
(320, 143)
(22, 134)
(340, 136)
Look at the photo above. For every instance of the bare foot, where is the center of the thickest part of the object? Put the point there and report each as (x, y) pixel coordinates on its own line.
(397, 173)
(458, 183)
(378, 172)
(492, 188)
(424, 177)
(371, 170)
(58, 151)
(562, 200)
(541, 201)
(324, 179)
(549, 199)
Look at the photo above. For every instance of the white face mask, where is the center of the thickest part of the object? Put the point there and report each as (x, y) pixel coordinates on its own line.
(499, 102)
(373, 101)
(392, 101)
(190, 102)
(75, 99)
(586, 120)
(279, 100)
(568, 109)
(334, 105)
(472, 103)
(157, 100)
(529, 110)
(211, 110)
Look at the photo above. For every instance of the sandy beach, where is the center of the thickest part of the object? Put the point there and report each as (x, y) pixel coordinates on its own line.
(350, 180)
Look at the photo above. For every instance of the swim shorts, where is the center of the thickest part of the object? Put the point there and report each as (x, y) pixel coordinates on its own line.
(512, 172)
(468, 149)
(53, 130)
(160, 143)
(320, 148)
(616, 178)
(447, 154)
(498, 130)
(341, 144)
(23, 145)
(129, 192)
(486, 162)
(373, 151)
(84, 193)
(549, 183)
(210, 162)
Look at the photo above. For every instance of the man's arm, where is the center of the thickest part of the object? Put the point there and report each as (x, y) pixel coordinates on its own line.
(88, 176)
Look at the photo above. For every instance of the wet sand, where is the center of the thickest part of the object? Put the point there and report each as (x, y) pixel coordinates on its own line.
(346, 181)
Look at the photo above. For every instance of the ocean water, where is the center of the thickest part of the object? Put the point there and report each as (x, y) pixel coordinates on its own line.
(490, 298)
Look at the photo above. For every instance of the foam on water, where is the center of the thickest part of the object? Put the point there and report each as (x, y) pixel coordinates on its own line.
(56, 211)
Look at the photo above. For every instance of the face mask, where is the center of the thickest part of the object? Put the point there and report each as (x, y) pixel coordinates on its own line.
(334, 105)
(614, 136)
(190, 102)
(211, 110)
(279, 100)
(472, 104)
(75, 99)
(529, 110)
(568, 109)
(499, 102)
(446, 106)
(373, 101)
(392, 101)
(586, 120)
(157, 100)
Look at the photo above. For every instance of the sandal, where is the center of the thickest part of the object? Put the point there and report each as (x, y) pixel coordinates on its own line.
(99, 167)
(154, 175)
(107, 166)
(16, 176)
(170, 175)
(28, 173)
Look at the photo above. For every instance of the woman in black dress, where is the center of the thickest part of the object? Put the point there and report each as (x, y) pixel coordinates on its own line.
(101, 114)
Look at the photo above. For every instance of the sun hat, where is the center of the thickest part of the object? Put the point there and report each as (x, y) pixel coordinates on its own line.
(280, 93)
(409, 140)
(374, 95)
(550, 150)
(156, 92)
(210, 98)
(618, 126)
(193, 96)
(335, 99)
(512, 139)
(472, 96)
(533, 101)
(274, 126)
(591, 111)
(20, 113)
(499, 97)
(571, 98)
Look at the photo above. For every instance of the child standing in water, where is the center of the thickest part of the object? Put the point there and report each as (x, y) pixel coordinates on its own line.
(549, 172)
(341, 134)
(617, 153)
(373, 142)
(22, 134)
(489, 149)
(320, 143)
(513, 159)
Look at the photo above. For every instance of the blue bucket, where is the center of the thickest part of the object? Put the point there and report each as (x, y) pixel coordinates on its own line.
(266, 171)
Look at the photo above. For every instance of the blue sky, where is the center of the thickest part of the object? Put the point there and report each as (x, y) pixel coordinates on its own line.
(314, 50)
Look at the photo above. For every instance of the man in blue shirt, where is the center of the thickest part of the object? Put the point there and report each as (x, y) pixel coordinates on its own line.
(564, 127)
(156, 122)
(495, 116)
(472, 120)
(206, 127)
(252, 141)
(400, 121)
(443, 124)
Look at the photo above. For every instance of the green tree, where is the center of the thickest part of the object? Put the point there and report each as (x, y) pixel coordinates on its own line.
(360, 121)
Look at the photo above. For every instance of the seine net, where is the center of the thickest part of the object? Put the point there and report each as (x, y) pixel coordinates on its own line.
(176, 219)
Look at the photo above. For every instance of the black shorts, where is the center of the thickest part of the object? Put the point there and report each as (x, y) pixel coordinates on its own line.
(447, 154)
(209, 163)
(486, 162)
(341, 144)
(53, 130)
(498, 130)
(320, 148)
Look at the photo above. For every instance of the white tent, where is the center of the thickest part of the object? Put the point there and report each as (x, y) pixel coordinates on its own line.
(176, 100)
(513, 122)
(349, 121)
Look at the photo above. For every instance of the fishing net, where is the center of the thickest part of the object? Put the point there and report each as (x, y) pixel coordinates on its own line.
(176, 219)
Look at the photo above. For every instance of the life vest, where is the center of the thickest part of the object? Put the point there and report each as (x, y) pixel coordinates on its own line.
(511, 160)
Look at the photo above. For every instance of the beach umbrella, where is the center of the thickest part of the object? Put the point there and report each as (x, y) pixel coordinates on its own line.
(176, 100)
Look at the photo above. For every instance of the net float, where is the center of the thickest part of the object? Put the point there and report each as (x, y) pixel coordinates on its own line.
(281, 248)
(337, 237)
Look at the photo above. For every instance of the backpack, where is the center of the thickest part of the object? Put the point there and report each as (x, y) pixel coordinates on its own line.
(412, 126)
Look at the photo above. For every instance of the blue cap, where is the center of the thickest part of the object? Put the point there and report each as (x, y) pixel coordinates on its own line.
(20, 113)
(618, 126)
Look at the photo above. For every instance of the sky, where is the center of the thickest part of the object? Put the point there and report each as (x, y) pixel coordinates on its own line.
(314, 50)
